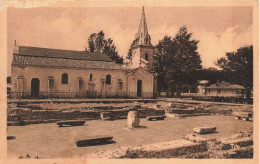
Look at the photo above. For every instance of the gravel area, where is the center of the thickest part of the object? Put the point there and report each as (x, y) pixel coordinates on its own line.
(50, 141)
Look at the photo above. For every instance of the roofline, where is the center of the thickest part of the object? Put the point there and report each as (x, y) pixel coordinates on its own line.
(59, 50)
(223, 88)
(128, 73)
(15, 65)
(61, 57)
(52, 48)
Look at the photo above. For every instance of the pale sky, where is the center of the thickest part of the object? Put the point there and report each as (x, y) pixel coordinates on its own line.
(219, 29)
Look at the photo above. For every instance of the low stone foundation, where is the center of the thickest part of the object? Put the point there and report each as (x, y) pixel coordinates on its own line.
(170, 149)
(192, 146)
(245, 152)
(42, 116)
(242, 142)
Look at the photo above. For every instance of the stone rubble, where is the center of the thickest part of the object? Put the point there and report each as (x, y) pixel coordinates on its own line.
(192, 146)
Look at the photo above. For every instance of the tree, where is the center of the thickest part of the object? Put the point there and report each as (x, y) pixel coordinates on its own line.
(211, 74)
(162, 49)
(239, 67)
(129, 55)
(176, 60)
(97, 43)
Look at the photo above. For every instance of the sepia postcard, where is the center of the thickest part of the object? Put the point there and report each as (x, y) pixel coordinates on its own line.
(129, 81)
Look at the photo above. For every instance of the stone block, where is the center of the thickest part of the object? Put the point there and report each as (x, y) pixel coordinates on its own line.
(237, 117)
(92, 140)
(157, 106)
(243, 114)
(106, 116)
(133, 119)
(245, 118)
(155, 118)
(71, 123)
(169, 105)
(170, 115)
(204, 130)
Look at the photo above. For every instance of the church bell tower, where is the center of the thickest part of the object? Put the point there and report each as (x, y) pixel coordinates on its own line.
(142, 50)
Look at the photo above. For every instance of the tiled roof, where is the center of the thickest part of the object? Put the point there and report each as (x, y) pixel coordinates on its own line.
(225, 85)
(45, 57)
(25, 61)
(63, 54)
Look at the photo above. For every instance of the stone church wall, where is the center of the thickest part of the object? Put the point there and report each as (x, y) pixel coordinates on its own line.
(96, 87)
(147, 84)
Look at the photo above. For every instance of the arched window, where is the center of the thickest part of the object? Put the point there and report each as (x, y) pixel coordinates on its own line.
(64, 78)
(90, 77)
(108, 79)
(146, 56)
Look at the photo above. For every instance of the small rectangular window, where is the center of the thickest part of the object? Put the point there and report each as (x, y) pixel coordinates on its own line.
(51, 83)
(120, 85)
(80, 83)
(103, 82)
(20, 84)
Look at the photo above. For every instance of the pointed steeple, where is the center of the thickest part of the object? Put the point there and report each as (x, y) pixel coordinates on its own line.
(142, 30)
(142, 37)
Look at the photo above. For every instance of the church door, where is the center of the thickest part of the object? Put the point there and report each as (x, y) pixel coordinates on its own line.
(35, 87)
(139, 88)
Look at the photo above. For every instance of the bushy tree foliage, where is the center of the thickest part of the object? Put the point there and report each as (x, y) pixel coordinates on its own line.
(129, 54)
(213, 75)
(176, 60)
(98, 43)
(238, 67)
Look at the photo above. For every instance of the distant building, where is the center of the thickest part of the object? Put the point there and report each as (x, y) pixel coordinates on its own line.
(220, 89)
(45, 72)
(224, 89)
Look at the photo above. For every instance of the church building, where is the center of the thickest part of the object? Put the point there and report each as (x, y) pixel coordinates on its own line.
(55, 73)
